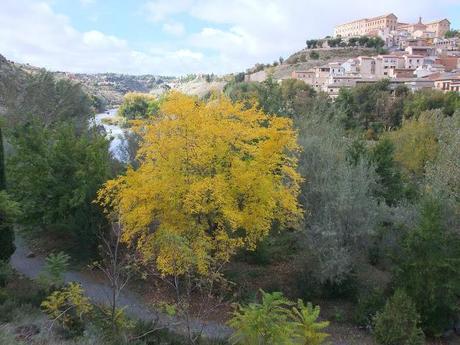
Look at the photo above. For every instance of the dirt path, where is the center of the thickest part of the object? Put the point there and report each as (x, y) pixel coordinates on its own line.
(100, 292)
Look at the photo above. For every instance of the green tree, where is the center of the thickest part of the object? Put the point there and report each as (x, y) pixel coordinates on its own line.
(48, 100)
(415, 144)
(424, 100)
(366, 106)
(139, 106)
(428, 269)
(8, 210)
(398, 323)
(390, 180)
(452, 34)
(342, 212)
(55, 174)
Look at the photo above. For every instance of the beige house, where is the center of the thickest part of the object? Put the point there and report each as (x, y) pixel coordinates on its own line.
(366, 26)
(383, 64)
(413, 61)
(307, 76)
(447, 82)
(366, 66)
(438, 28)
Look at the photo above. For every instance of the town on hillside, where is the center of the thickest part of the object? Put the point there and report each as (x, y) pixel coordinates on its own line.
(419, 56)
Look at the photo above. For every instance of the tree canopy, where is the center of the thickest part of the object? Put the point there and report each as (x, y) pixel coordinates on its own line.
(212, 178)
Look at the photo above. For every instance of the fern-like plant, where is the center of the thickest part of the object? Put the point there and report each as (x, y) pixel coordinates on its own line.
(307, 328)
(55, 267)
(277, 321)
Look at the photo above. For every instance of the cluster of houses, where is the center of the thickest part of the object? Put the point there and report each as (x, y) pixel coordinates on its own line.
(421, 57)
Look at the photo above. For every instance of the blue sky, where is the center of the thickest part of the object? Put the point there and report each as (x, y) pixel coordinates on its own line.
(175, 37)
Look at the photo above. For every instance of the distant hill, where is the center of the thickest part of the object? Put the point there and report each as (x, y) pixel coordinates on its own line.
(111, 87)
(108, 88)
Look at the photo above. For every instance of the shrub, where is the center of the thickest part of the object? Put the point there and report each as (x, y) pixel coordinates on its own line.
(3, 296)
(398, 323)
(139, 105)
(9, 210)
(69, 307)
(112, 329)
(7, 309)
(369, 303)
(55, 267)
(277, 321)
(314, 55)
(6, 273)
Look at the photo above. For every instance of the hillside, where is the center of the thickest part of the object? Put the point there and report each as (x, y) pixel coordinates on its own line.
(305, 59)
(11, 83)
(110, 87)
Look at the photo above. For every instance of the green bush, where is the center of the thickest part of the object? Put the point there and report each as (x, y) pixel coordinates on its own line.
(277, 321)
(4, 296)
(345, 288)
(53, 272)
(7, 309)
(6, 273)
(314, 55)
(369, 303)
(111, 329)
(398, 323)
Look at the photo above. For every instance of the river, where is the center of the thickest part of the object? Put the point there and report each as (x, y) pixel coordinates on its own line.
(114, 132)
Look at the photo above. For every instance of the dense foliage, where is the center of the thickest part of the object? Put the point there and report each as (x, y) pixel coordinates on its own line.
(138, 106)
(428, 269)
(212, 178)
(55, 174)
(277, 321)
(8, 210)
(48, 100)
(355, 198)
(398, 323)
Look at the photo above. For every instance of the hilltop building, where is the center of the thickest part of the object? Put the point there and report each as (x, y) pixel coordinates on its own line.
(367, 26)
(388, 25)
(436, 28)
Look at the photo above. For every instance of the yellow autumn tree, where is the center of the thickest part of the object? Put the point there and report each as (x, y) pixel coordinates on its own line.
(213, 177)
(415, 143)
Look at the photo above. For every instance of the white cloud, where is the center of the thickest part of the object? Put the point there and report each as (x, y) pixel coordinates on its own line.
(33, 33)
(228, 35)
(174, 28)
(253, 31)
(159, 10)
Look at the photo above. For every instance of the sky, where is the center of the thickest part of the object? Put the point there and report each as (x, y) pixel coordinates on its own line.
(178, 37)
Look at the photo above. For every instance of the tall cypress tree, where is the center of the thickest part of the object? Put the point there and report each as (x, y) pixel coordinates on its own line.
(7, 246)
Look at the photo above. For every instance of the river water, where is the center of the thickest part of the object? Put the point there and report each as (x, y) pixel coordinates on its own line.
(115, 133)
